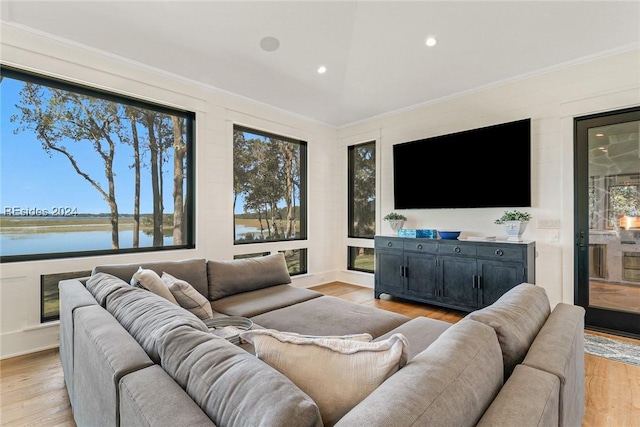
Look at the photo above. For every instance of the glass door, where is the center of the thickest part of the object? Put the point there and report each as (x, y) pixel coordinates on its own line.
(607, 217)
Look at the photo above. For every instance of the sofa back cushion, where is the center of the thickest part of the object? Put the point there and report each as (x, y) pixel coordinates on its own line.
(243, 275)
(517, 317)
(193, 271)
(101, 285)
(147, 317)
(233, 387)
(451, 383)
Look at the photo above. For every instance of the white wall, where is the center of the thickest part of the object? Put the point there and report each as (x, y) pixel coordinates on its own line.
(552, 100)
(216, 112)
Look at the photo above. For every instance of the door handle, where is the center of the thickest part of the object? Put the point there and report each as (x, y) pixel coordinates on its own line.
(582, 240)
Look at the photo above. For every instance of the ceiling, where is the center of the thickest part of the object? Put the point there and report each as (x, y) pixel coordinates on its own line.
(375, 53)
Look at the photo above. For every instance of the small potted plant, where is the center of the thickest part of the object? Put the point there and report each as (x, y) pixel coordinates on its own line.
(396, 221)
(515, 222)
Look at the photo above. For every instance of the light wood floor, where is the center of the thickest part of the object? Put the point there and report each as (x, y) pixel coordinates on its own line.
(32, 390)
(616, 296)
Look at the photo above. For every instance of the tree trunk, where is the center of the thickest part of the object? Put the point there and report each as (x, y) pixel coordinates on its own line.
(155, 181)
(179, 149)
(136, 166)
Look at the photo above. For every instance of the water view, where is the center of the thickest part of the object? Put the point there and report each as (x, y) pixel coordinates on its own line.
(31, 235)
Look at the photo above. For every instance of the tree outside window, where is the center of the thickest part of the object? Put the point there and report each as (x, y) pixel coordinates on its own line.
(269, 187)
(362, 190)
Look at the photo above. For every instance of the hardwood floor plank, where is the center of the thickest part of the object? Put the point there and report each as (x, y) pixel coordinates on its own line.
(32, 390)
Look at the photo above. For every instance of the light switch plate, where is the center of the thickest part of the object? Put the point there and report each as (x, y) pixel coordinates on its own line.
(549, 223)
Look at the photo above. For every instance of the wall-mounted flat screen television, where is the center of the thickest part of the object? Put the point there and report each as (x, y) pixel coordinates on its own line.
(479, 168)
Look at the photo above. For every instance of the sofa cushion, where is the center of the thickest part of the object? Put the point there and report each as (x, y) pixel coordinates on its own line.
(150, 397)
(242, 275)
(516, 316)
(101, 285)
(336, 373)
(421, 332)
(193, 271)
(151, 281)
(146, 316)
(249, 304)
(329, 315)
(559, 350)
(529, 398)
(451, 383)
(232, 386)
(187, 297)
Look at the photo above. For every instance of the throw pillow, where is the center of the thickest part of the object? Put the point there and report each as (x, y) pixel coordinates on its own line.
(187, 296)
(336, 373)
(150, 281)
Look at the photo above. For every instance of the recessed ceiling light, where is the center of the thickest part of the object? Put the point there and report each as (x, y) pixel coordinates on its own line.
(431, 41)
(269, 44)
(322, 69)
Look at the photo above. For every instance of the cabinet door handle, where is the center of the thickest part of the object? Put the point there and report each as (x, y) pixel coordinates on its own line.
(477, 282)
(499, 252)
(389, 244)
(457, 249)
(419, 247)
(402, 271)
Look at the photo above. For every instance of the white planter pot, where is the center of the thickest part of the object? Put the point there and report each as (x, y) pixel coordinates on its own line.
(514, 230)
(396, 224)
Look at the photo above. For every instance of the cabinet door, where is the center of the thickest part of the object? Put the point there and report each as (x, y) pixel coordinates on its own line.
(388, 275)
(420, 275)
(457, 277)
(497, 277)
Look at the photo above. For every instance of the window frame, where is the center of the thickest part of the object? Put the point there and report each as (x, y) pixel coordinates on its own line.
(190, 170)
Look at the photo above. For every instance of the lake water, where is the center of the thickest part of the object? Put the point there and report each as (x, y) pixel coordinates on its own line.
(53, 242)
(32, 243)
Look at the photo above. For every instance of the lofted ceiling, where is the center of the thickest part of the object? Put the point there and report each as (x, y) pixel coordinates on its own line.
(374, 51)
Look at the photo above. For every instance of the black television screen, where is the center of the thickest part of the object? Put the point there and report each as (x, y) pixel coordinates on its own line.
(479, 168)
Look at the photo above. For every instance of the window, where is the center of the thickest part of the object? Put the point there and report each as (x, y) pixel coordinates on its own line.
(612, 199)
(362, 190)
(296, 261)
(50, 295)
(361, 259)
(85, 172)
(269, 187)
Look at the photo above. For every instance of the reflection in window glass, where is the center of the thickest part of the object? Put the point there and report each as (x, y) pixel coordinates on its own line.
(86, 172)
(269, 187)
(361, 259)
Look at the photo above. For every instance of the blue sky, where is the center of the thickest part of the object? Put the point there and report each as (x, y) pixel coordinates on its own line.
(30, 178)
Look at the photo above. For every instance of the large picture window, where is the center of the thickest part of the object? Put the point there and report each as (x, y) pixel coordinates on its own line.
(269, 187)
(362, 190)
(86, 172)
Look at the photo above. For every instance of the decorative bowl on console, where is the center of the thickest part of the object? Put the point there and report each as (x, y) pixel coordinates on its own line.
(449, 235)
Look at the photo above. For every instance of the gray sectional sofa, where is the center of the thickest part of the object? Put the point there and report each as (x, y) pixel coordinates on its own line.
(132, 358)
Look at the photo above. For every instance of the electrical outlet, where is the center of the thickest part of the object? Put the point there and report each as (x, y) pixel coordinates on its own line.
(554, 236)
(549, 223)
